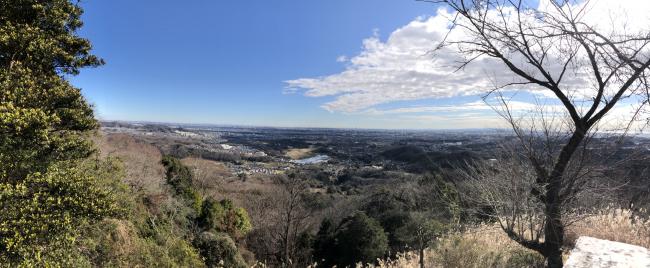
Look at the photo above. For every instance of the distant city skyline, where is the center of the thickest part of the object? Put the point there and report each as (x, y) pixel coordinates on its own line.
(331, 64)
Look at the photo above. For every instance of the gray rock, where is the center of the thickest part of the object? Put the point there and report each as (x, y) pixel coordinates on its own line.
(593, 252)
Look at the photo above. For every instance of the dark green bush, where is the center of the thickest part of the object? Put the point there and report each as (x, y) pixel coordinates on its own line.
(358, 238)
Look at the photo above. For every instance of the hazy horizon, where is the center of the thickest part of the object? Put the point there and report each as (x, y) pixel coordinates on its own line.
(182, 124)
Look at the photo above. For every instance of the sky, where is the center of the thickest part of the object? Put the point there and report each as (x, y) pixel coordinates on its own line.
(334, 63)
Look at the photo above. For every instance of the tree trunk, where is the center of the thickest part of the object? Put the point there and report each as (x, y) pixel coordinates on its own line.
(554, 229)
(421, 257)
(553, 237)
(287, 256)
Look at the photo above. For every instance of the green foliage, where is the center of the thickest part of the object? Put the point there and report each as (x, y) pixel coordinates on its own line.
(45, 210)
(383, 201)
(358, 238)
(180, 177)
(222, 216)
(419, 231)
(46, 191)
(117, 243)
(42, 117)
(42, 34)
(439, 195)
(219, 250)
(324, 243)
(219, 217)
(395, 210)
(361, 239)
(146, 235)
(392, 221)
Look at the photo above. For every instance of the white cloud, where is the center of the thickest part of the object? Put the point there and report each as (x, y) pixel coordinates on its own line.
(476, 106)
(402, 68)
(405, 68)
(342, 58)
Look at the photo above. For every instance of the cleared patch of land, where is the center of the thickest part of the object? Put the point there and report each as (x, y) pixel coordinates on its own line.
(299, 153)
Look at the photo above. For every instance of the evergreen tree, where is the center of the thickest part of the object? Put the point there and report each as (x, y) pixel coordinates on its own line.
(44, 121)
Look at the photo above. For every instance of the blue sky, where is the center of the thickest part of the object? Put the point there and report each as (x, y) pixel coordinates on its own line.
(334, 63)
(225, 62)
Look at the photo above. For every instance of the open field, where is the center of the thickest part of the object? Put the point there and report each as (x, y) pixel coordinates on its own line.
(299, 153)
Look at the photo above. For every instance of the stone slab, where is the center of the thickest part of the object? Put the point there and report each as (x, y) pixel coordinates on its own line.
(592, 252)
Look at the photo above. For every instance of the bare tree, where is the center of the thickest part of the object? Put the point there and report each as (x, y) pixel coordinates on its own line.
(587, 69)
(293, 215)
(283, 217)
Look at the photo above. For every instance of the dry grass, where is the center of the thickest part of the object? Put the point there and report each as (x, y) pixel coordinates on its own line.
(488, 246)
(215, 169)
(299, 153)
(481, 246)
(209, 176)
(621, 225)
(141, 161)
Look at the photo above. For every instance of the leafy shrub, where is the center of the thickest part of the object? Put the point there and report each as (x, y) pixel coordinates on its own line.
(219, 250)
(222, 216)
(44, 211)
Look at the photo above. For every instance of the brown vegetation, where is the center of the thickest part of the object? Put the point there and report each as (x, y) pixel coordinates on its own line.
(209, 175)
(620, 225)
(141, 161)
(299, 153)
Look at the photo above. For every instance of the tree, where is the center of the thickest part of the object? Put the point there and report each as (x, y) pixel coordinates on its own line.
(358, 238)
(395, 207)
(223, 216)
(420, 231)
(286, 218)
(556, 49)
(293, 216)
(324, 247)
(45, 193)
(180, 178)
